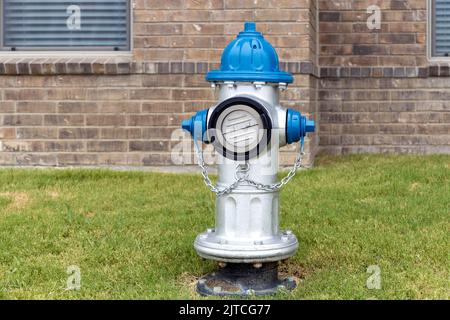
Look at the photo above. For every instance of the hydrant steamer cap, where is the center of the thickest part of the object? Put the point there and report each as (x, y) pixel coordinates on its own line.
(250, 58)
(261, 118)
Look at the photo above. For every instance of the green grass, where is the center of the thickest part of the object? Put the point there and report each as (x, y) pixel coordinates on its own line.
(131, 233)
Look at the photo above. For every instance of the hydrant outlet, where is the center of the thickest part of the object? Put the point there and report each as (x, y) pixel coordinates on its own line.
(197, 126)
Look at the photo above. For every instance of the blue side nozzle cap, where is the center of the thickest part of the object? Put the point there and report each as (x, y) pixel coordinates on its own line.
(187, 125)
(197, 125)
(297, 126)
(250, 58)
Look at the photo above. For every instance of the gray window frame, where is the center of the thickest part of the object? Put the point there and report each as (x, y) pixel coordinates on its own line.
(68, 49)
(432, 33)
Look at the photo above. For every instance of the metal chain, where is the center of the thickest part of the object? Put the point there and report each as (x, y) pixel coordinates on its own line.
(207, 180)
(277, 186)
(241, 174)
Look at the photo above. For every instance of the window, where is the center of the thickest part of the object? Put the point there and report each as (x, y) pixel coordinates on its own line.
(76, 25)
(440, 28)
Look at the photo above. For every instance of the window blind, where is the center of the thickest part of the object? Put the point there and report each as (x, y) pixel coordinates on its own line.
(442, 28)
(66, 24)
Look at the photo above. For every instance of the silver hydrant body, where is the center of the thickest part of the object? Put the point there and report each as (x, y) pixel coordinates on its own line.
(247, 219)
(247, 127)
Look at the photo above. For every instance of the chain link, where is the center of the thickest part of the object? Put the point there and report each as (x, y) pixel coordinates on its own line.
(241, 175)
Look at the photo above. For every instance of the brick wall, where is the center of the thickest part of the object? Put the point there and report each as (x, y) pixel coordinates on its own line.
(104, 119)
(122, 110)
(388, 115)
(198, 30)
(346, 40)
(378, 91)
(369, 90)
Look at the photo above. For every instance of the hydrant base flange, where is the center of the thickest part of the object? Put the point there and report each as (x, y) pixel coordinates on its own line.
(211, 246)
(245, 280)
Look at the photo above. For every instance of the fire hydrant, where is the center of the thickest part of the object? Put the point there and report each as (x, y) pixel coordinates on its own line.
(247, 127)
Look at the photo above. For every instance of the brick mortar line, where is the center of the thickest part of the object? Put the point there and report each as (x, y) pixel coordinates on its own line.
(83, 140)
(96, 67)
(385, 145)
(109, 153)
(385, 123)
(181, 113)
(39, 67)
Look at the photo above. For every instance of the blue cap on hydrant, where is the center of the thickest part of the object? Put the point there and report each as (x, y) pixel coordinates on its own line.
(250, 58)
(196, 125)
(297, 126)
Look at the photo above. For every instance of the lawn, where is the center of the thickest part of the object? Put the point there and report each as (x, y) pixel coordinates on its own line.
(131, 233)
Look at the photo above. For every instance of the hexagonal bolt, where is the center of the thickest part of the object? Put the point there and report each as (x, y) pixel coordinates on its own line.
(258, 85)
(257, 265)
(230, 84)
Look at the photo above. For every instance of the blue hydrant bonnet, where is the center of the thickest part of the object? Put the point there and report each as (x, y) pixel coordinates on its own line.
(250, 58)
